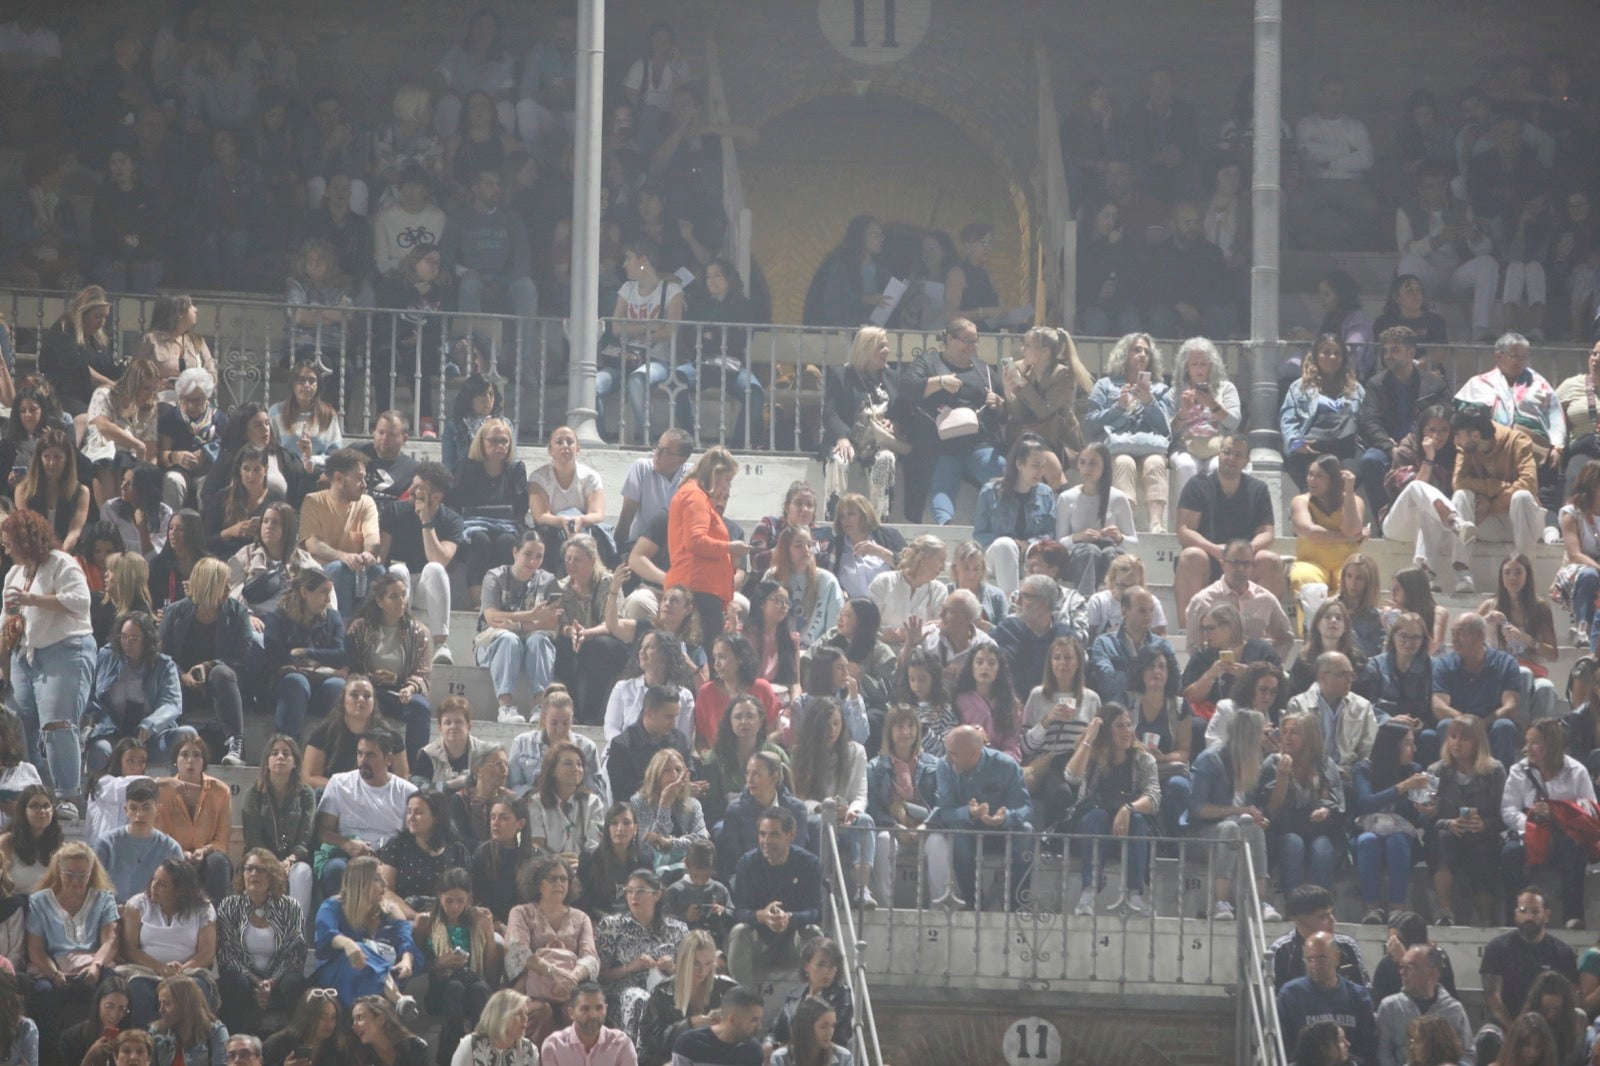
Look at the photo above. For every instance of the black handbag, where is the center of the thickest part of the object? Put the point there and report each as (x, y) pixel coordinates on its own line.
(264, 586)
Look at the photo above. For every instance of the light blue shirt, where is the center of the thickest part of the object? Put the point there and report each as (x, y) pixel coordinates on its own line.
(50, 923)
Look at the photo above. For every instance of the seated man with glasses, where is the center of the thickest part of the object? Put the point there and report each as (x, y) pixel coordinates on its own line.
(244, 1048)
(1259, 609)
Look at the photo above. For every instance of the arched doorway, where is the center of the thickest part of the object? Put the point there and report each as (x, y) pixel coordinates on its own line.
(829, 159)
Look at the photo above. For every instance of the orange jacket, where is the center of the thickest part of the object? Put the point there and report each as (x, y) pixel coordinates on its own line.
(697, 544)
(212, 822)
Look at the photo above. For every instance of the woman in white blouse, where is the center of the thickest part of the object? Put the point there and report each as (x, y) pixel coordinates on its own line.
(169, 929)
(52, 657)
(914, 589)
(565, 497)
(1095, 519)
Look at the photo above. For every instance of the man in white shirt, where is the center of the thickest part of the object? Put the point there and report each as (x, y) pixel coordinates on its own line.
(361, 808)
(413, 221)
(651, 481)
(1334, 207)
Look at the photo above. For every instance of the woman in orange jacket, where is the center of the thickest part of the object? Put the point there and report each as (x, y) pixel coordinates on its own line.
(697, 540)
(196, 810)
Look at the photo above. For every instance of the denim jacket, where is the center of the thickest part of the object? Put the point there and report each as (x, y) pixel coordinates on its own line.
(880, 786)
(996, 514)
(209, 1053)
(163, 698)
(996, 780)
(1107, 415)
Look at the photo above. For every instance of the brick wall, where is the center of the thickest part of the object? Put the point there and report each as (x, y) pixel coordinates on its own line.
(969, 1033)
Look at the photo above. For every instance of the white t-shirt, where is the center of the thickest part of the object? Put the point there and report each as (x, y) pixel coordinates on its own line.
(585, 482)
(1105, 613)
(651, 304)
(650, 491)
(395, 231)
(369, 814)
(170, 939)
(664, 78)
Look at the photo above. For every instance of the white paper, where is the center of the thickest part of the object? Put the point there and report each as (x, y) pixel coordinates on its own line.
(893, 291)
(685, 276)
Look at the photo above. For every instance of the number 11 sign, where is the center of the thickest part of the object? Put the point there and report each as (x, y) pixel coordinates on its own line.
(1032, 1042)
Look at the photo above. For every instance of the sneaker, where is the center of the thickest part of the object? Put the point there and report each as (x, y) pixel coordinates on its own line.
(409, 1011)
(1552, 535)
(1444, 917)
(1269, 913)
(1464, 581)
(1574, 923)
(1134, 903)
(865, 900)
(442, 654)
(1581, 635)
(235, 753)
(1466, 532)
(1222, 912)
(1375, 916)
(66, 811)
(1085, 906)
(509, 715)
(1157, 529)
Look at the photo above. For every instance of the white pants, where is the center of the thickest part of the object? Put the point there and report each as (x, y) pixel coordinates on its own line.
(1127, 471)
(883, 864)
(880, 480)
(300, 890)
(1523, 525)
(1005, 563)
(175, 490)
(1186, 466)
(1479, 275)
(1414, 519)
(1524, 283)
(430, 597)
(317, 188)
(941, 867)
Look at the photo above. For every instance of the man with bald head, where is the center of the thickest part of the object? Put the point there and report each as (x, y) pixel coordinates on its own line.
(1348, 725)
(976, 787)
(1323, 996)
(1473, 678)
(1420, 996)
(1112, 655)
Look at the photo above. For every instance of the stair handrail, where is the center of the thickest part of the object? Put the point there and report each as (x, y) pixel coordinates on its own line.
(1259, 1038)
(841, 926)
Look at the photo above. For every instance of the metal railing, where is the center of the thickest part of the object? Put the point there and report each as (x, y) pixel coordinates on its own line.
(1022, 932)
(841, 927)
(759, 387)
(1259, 1039)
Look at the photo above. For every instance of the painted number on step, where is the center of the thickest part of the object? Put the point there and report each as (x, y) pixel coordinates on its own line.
(753, 469)
(1166, 555)
(457, 688)
(1033, 1041)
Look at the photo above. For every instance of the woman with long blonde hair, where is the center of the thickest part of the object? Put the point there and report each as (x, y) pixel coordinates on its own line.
(75, 353)
(686, 1001)
(352, 928)
(1042, 389)
(856, 420)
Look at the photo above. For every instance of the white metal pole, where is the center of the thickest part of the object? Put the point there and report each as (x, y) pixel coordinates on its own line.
(1266, 202)
(584, 325)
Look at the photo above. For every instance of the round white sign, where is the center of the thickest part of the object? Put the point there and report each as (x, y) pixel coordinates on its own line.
(874, 31)
(1032, 1042)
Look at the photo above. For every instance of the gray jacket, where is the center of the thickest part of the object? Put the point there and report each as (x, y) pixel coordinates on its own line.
(1396, 1013)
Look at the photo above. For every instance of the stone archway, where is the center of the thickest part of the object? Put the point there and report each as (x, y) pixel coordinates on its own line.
(915, 163)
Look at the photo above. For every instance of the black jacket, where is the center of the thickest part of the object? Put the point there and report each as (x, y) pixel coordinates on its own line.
(846, 394)
(1378, 419)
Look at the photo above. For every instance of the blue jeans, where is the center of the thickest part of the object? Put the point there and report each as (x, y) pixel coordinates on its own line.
(743, 385)
(979, 465)
(1370, 471)
(344, 587)
(1570, 864)
(1174, 802)
(513, 656)
(1136, 859)
(520, 292)
(161, 748)
(1505, 741)
(1305, 862)
(858, 843)
(295, 698)
(53, 687)
(416, 715)
(1583, 594)
(1376, 853)
(333, 875)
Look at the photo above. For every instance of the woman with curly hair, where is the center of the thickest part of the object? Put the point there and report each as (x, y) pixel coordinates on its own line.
(550, 946)
(51, 640)
(51, 486)
(72, 930)
(1318, 416)
(1207, 407)
(136, 694)
(636, 947)
(1131, 408)
(170, 927)
(735, 670)
(260, 921)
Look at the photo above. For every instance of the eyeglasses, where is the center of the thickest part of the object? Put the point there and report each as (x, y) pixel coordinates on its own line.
(37, 808)
(1237, 562)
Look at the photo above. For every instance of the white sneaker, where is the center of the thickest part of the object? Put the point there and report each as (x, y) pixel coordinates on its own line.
(1466, 531)
(442, 654)
(1269, 913)
(1223, 912)
(1464, 581)
(1552, 535)
(66, 812)
(509, 715)
(1085, 906)
(409, 1011)
(1134, 903)
(235, 753)
(1581, 636)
